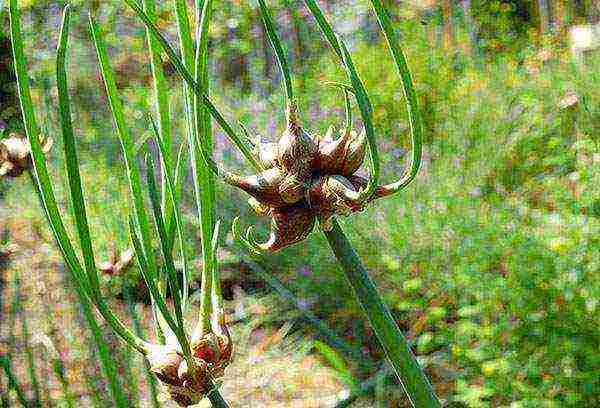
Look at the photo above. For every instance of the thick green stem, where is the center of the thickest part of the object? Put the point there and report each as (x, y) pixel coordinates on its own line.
(216, 400)
(415, 383)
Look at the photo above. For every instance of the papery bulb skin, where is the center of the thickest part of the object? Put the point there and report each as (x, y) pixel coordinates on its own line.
(259, 208)
(15, 154)
(181, 398)
(355, 153)
(195, 380)
(264, 187)
(267, 154)
(164, 363)
(333, 195)
(331, 154)
(184, 384)
(342, 156)
(296, 151)
(207, 349)
(289, 225)
(360, 183)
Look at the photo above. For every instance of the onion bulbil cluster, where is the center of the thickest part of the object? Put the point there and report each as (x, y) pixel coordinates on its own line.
(306, 178)
(185, 382)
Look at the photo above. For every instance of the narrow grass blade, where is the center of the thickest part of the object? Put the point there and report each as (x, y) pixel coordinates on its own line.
(215, 290)
(404, 363)
(76, 190)
(410, 95)
(173, 199)
(45, 192)
(189, 79)
(13, 384)
(165, 320)
(348, 110)
(161, 97)
(33, 133)
(204, 186)
(184, 32)
(366, 112)
(317, 13)
(71, 155)
(157, 293)
(169, 265)
(359, 91)
(107, 363)
(279, 51)
(179, 176)
(134, 181)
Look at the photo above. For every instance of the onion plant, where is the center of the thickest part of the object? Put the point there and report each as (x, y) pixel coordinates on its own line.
(302, 178)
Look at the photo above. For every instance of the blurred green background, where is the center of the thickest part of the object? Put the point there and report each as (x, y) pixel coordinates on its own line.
(490, 261)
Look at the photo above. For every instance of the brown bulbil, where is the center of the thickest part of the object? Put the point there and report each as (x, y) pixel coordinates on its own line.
(117, 263)
(15, 155)
(289, 225)
(185, 385)
(296, 152)
(264, 187)
(343, 156)
(305, 180)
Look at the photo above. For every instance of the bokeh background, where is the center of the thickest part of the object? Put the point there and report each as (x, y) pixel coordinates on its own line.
(489, 262)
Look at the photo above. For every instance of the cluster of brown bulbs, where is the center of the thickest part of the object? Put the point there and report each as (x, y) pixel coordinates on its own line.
(15, 155)
(212, 353)
(189, 385)
(306, 179)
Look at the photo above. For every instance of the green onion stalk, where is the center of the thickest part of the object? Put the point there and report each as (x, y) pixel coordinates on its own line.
(189, 362)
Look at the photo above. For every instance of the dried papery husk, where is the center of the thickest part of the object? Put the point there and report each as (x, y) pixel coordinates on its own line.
(289, 225)
(264, 187)
(355, 153)
(360, 183)
(267, 153)
(296, 152)
(196, 379)
(15, 154)
(184, 385)
(207, 348)
(333, 195)
(221, 331)
(260, 209)
(342, 156)
(164, 363)
(293, 187)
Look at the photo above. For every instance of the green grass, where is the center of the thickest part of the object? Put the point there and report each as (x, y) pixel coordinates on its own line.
(487, 262)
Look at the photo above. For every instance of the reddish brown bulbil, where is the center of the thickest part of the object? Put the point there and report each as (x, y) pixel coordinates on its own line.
(189, 385)
(305, 179)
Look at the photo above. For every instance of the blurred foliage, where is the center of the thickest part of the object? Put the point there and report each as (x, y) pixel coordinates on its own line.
(489, 262)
